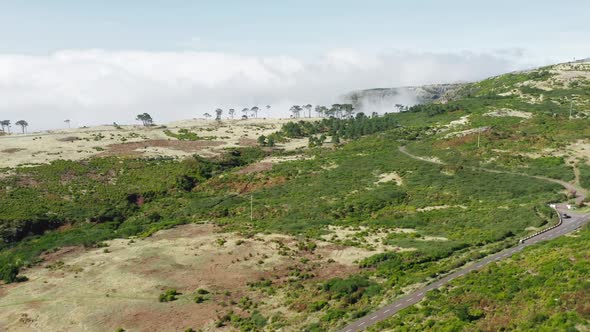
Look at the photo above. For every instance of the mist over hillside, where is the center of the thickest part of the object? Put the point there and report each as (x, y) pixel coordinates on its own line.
(383, 100)
(92, 87)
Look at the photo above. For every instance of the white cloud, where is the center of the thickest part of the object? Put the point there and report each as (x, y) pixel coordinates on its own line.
(97, 86)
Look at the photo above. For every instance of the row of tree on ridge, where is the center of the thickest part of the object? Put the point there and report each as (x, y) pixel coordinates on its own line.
(253, 112)
(336, 110)
(5, 125)
(339, 111)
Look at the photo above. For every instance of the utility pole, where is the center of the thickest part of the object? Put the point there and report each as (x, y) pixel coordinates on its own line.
(478, 136)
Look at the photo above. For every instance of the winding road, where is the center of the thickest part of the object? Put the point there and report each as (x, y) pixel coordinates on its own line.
(566, 225)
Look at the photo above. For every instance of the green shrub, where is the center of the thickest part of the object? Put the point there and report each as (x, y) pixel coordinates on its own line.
(317, 306)
(202, 291)
(169, 295)
(9, 273)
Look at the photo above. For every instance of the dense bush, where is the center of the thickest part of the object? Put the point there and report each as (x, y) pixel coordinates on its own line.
(8, 273)
(183, 135)
(342, 128)
(169, 295)
(351, 289)
(115, 192)
(434, 109)
(537, 290)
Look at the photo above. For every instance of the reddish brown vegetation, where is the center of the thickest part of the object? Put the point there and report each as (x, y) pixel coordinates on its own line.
(134, 148)
(247, 142)
(12, 150)
(256, 168)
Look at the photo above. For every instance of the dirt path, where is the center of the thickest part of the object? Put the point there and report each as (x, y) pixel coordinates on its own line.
(576, 174)
(579, 192)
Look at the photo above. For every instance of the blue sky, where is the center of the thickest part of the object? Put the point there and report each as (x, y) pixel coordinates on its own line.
(102, 61)
(293, 27)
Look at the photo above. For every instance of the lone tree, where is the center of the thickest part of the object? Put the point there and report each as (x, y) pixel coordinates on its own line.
(268, 110)
(255, 110)
(231, 112)
(218, 113)
(206, 115)
(245, 111)
(308, 108)
(5, 125)
(145, 119)
(67, 121)
(23, 125)
(296, 110)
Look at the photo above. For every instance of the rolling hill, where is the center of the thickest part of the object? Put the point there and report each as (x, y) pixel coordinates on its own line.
(332, 222)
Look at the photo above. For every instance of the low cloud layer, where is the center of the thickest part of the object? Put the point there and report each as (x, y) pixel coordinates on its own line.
(96, 87)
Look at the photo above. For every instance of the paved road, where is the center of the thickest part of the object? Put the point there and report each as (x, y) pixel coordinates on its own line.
(568, 225)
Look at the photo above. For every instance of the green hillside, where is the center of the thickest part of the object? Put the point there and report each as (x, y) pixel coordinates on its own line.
(545, 288)
(354, 175)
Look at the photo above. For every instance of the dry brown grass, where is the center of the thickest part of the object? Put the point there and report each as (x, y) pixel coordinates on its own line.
(118, 286)
(256, 168)
(135, 148)
(82, 143)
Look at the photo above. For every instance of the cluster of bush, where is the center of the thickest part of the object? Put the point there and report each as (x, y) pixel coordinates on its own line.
(98, 197)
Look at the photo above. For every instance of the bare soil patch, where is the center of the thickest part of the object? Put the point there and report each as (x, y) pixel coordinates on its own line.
(282, 159)
(83, 143)
(135, 148)
(248, 142)
(369, 241)
(509, 112)
(460, 122)
(118, 286)
(256, 168)
(440, 207)
(54, 256)
(12, 150)
(388, 177)
(69, 139)
(466, 132)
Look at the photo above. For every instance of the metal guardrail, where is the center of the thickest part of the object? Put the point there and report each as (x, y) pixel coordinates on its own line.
(546, 229)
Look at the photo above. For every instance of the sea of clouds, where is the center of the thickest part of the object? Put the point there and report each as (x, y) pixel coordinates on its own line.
(101, 87)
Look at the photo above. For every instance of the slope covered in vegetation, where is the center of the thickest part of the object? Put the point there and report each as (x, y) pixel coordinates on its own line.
(353, 188)
(544, 288)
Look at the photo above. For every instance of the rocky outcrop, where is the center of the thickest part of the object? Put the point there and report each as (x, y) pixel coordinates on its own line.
(389, 99)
